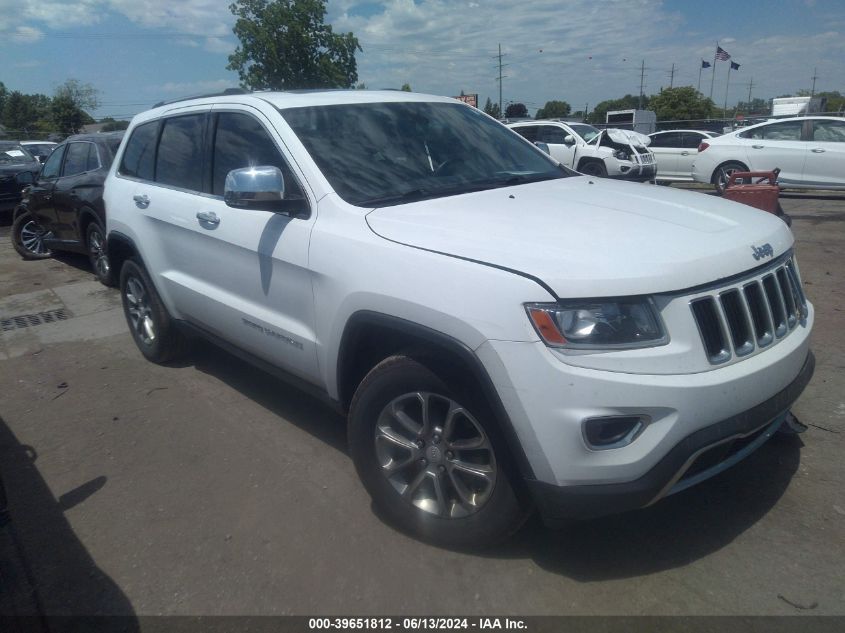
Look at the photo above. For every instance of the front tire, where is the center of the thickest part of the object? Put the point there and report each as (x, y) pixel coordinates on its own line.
(28, 237)
(95, 243)
(430, 458)
(152, 329)
(594, 168)
(723, 174)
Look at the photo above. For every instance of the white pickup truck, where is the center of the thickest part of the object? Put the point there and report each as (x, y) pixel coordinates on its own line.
(610, 153)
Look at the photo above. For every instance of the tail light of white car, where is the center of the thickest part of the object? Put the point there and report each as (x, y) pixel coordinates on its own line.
(703, 146)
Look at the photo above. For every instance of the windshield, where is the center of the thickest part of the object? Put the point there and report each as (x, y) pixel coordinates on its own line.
(379, 154)
(40, 149)
(586, 132)
(14, 155)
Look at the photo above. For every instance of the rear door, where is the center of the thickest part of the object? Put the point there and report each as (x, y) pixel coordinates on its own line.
(688, 149)
(666, 147)
(825, 165)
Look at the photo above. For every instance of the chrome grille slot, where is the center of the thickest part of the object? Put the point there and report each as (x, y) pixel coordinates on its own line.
(712, 333)
(747, 315)
(760, 316)
(775, 302)
(739, 327)
(788, 298)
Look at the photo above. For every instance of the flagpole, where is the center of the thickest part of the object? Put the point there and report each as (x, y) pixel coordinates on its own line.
(700, 65)
(713, 75)
(727, 85)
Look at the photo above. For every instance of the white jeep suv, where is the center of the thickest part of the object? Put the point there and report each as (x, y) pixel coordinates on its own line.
(504, 333)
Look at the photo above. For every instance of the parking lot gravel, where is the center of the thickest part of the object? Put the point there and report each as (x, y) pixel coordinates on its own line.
(212, 488)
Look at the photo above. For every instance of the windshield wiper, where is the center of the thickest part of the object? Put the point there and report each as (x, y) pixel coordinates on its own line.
(406, 196)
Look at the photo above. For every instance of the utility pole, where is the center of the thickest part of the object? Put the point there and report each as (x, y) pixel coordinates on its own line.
(813, 90)
(642, 81)
(501, 76)
(750, 85)
(672, 76)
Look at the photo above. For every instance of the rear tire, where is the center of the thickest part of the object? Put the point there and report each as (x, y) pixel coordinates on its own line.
(95, 244)
(430, 457)
(722, 175)
(28, 237)
(152, 329)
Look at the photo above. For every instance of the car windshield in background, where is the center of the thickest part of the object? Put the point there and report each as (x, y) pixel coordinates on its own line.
(40, 149)
(381, 154)
(586, 132)
(14, 155)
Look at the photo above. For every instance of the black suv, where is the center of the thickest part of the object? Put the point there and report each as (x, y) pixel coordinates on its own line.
(18, 168)
(63, 209)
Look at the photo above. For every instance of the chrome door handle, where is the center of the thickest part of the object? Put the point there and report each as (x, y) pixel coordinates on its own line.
(817, 150)
(208, 217)
(142, 202)
(758, 146)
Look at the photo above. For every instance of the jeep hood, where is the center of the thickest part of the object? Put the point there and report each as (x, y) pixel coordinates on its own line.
(585, 237)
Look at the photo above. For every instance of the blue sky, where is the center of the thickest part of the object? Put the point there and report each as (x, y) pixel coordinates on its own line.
(137, 52)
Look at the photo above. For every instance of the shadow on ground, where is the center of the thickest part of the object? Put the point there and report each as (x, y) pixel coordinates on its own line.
(53, 572)
(673, 533)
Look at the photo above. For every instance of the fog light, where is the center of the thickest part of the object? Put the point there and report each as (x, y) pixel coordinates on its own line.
(624, 168)
(613, 431)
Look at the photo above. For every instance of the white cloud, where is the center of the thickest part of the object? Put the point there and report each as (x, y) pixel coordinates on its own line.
(26, 34)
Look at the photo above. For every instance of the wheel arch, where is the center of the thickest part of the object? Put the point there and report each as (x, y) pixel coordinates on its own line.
(586, 160)
(87, 215)
(370, 337)
(120, 247)
(715, 174)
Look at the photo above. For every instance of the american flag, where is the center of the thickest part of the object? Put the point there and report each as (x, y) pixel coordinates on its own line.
(722, 54)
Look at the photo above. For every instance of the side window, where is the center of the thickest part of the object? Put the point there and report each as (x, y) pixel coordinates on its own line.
(829, 131)
(93, 157)
(241, 141)
(658, 140)
(528, 132)
(671, 139)
(785, 131)
(77, 159)
(691, 140)
(139, 155)
(552, 134)
(54, 163)
(179, 156)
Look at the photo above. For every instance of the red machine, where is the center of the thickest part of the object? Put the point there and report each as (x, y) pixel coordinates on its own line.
(762, 194)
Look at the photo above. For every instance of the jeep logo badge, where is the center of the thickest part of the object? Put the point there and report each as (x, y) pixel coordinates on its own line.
(765, 250)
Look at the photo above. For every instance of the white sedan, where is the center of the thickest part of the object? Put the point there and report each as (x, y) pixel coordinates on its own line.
(810, 152)
(675, 151)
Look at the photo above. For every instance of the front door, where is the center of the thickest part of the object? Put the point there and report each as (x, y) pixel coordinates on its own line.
(554, 136)
(239, 274)
(825, 165)
(41, 193)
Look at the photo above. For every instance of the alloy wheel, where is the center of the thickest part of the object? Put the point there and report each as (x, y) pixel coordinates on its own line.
(139, 310)
(32, 238)
(435, 454)
(97, 251)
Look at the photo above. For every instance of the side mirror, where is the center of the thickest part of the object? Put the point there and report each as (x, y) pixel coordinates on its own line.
(569, 140)
(543, 146)
(254, 188)
(24, 178)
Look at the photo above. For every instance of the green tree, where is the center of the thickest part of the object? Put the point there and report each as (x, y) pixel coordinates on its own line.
(684, 103)
(285, 44)
(516, 111)
(554, 110)
(112, 125)
(19, 114)
(69, 103)
(406, 87)
(492, 109)
(755, 106)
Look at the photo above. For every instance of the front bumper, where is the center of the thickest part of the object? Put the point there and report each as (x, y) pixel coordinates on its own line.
(638, 173)
(680, 467)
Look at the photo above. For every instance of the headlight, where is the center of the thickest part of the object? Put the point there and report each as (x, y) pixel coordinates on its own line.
(622, 155)
(598, 323)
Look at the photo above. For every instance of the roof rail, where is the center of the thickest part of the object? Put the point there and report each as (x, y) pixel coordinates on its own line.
(228, 91)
